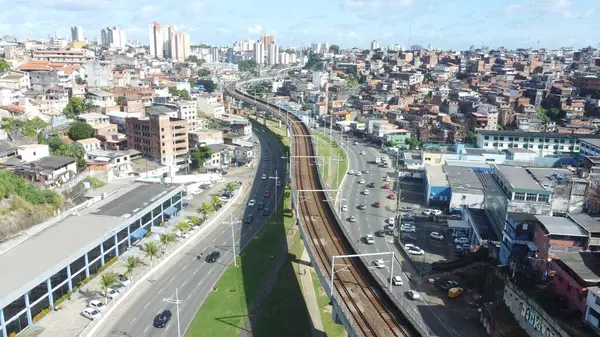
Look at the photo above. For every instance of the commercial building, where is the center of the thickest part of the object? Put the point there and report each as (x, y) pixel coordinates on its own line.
(544, 144)
(159, 137)
(77, 33)
(437, 189)
(47, 266)
(113, 37)
(70, 57)
(465, 186)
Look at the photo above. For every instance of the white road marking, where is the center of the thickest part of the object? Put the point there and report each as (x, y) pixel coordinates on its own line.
(190, 295)
(195, 271)
(133, 320)
(182, 269)
(184, 282)
(161, 289)
(147, 304)
(168, 326)
(199, 283)
(146, 329)
(213, 241)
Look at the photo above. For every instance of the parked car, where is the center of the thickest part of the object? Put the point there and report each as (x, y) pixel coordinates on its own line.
(162, 319)
(251, 203)
(463, 248)
(90, 313)
(344, 208)
(449, 284)
(455, 292)
(392, 196)
(406, 209)
(213, 257)
(362, 153)
(414, 250)
(427, 212)
(352, 219)
(369, 239)
(361, 206)
(386, 186)
(111, 293)
(407, 228)
(461, 240)
(397, 281)
(123, 280)
(413, 295)
(362, 181)
(391, 220)
(358, 173)
(391, 226)
(377, 204)
(264, 177)
(436, 236)
(379, 263)
(98, 305)
(436, 212)
(380, 233)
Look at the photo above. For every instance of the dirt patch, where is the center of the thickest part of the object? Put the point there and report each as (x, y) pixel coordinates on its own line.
(327, 309)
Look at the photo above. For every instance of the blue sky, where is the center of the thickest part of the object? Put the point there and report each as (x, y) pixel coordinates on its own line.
(449, 24)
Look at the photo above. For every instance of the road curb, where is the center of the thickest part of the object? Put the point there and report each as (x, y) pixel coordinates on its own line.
(95, 325)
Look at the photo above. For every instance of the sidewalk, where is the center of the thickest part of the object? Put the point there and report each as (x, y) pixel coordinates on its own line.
(67, 319)
(310, 297)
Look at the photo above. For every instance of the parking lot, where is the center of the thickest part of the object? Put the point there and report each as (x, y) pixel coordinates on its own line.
(435, 250)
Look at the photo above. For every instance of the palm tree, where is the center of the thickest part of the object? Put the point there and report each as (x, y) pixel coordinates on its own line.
(151, 251)
(195, 220)
(182, 227)
(130, 264)
(230, 186)
(215, 201)
(107, 281)
(167, 240)
(206, 209)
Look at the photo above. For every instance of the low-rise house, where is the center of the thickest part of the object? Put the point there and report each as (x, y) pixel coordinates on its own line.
(243, 154)
(90, 144)
(33, 152)
(101, 98)
(94, 118)
(200, 138)
(49, 171)
(113, 163)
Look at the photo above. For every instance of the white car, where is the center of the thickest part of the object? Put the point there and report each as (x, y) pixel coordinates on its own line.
(414, 250)
(90, 313)
(123, 280)
(352, 219)
(387, 179)
(222, 198)
(406, 208)
(351, 172)
(366, 171)
(344, 208)
(251, 203)
(379, 263)
(264, 177)
(413, 295)
(95, 304)
(278, 183)
(362, 153)
(366, 192)
(408, 228)
(427, 212)
(391, 227)
(436, 212)
(362, 181)
(461, 240)
(358, 173)
(436, 236)
(391, 221)
(397, 281)
(111, 293)
(369, 239)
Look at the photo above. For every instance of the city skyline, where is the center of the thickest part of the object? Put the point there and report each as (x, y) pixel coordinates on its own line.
(354, 23)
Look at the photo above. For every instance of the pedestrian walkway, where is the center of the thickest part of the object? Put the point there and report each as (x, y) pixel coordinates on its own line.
(310, 297)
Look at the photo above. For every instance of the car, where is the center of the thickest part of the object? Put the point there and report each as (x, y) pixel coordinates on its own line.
(361, 206)
(369, 239)
(98, 305)
(264, 176)
(344, 208)
(380, 233)
(371, 185)
(251, 203)
(223, 198)
(408, 228)
(377, 204)
(358, 173)
(267, 194)
(414, 250)
(436, 236)
(213, 257)
(391, 227)
(455, 292)
(352, 219)
(355, 143)
(362, 153)
(391, 220)
(392, 196)
(449, 284)
(351, 172)
(386, 186)
(436, 212)
(413, 294)
(265, 212)
(456, 217)
(463, 248)
(379, 263)
(266, 158)
(162, 319)
(406, 208)
(406, 215)
(426, 212)
(261, 205)
(397, 281)
(248, 219)
(388, 179)
(366, 192)
(90, 313)
(461, 240)
(111, 293)
(362, 181)
(278, 183)
(366, 171)
(123, 280)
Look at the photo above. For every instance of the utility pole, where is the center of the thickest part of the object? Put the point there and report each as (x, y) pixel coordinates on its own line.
(231, 222)
(276, 177)
(175, 301)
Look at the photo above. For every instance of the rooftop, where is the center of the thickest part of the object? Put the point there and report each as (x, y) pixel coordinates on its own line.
(595, 142)
(436, 176)
(585, 264)
(587, 222)
(532, 134)
(50, 162)
(518, 178)
(82, 231)
(463, 179)
(158, 110)
(560, 226)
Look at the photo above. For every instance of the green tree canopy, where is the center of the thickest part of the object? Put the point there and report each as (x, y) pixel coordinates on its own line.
(76, 106)
(29, 128)
(209, 85)
(80, 130)
(315, 62)
(412, 142)
(184, 94)
(59, 147)
(203, 73)
(4, 66)
(470, 137)
(195, 59)
(246, 65)
(200, 155)
(334, 48)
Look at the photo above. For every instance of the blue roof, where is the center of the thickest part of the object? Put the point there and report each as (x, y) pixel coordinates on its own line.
(140, 233)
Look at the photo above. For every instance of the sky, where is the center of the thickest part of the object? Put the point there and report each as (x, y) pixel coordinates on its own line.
(444, 24)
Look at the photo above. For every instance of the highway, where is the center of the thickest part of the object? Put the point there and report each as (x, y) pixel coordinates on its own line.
(372, 219)
(193, 278)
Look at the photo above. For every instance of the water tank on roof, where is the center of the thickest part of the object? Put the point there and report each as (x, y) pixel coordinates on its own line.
(86, 185)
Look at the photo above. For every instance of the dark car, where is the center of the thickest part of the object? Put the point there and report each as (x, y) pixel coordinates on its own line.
(161, 320)
(267, 194)
(248, 219)
(371, 185)
(265, 211)
(213, 257)
(261, 205)
(361, 207)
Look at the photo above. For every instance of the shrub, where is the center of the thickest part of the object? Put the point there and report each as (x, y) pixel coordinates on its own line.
(41, 314)
(107, 264)
(63, 298)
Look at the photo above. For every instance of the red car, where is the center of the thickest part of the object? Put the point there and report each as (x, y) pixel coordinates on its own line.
(376, 205)
(392, 196)
(386, 186)
(267, 194)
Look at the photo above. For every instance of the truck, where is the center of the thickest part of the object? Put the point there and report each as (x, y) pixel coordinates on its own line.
(377, 160)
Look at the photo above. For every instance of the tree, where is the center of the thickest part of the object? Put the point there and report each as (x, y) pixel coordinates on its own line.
(200, 156)
(470, 137)
(215, 201)
(182, 227)
(166, 240)
(183, 94)
(16, 127)
(334, 48)
(121, 100)
(203, 73)
(195, 220)
(130, 264)
(230, 187)
(4, 66)
(206, 209)
(151, 251)
(59, 147)
(195, 59)
(208, 85)
(107, 281)
(75, 107)
(314, 62)
(80, 130)
(412, 142)
(246, 65)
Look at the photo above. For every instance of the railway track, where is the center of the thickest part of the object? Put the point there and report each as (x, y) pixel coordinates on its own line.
(372, 310)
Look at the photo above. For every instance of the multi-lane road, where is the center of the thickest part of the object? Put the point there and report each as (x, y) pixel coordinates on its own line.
(194, 278)
(372, 219)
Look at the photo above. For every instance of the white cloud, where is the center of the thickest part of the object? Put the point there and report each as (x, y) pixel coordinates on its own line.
(256, 29)
(223, 30)
(350, 35)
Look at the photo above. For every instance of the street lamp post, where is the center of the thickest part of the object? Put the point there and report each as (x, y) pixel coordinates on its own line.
(231, 222)
(276, 178)
(391, 253)
(175, 301)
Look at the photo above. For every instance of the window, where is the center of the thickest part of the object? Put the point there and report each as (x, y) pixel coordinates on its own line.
(519, 196)
(490, 160)
(543, 198)
(531, 197)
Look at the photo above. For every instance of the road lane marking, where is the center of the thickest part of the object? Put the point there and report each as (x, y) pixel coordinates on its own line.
(195, 271)
(190, 295)
(168, 326)
(199, 283)
(184, 282)
(146, 329)
(133, 320)
(182, 269)
(147, 304)
(161, 289)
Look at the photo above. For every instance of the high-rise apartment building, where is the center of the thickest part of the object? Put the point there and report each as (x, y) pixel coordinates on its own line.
(77, 33)
(167, 42)
(180, 46)
(160, 137)
(215, 54)
(113, 37)
(156, 41)
(267, 40)
(259, 53)
(374, 45)
(273, 54)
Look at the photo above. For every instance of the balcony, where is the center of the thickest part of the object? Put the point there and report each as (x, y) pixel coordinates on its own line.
(179, 134)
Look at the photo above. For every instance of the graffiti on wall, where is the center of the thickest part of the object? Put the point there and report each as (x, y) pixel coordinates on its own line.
(536, 321)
